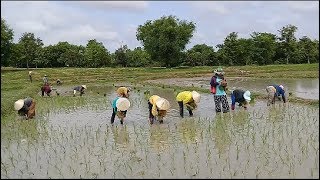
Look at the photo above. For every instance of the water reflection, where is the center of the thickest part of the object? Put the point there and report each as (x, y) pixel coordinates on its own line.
(120, 135)
(159, 137)
(189, 131)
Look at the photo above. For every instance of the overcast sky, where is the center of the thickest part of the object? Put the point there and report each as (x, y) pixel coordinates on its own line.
(115, 22)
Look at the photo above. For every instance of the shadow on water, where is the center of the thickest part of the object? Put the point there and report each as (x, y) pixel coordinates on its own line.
(278, 141)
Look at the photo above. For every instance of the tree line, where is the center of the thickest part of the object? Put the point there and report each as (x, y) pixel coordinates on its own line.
(164, 44)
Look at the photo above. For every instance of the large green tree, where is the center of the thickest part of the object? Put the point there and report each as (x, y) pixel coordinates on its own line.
(308, 50)
(121, 55)
(96, 55)
(31, 49)
(165, 38)
(138, 57)
(201, 55)
(6, 42)
(288, 41)
(263, 47)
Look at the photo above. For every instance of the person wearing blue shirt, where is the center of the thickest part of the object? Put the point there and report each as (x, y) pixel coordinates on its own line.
(275, 91)
(220, 97)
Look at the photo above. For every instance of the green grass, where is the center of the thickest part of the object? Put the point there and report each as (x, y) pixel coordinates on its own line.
(15, 81)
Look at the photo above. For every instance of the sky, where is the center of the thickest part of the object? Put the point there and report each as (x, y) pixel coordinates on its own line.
(115, 23)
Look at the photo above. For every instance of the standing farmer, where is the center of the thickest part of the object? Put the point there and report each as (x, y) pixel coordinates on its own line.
(26, 107)
(45, 79)
(158, 107)
(30, 76)
(275, 91)
(120, 105)
(220, 97)
(79, 89)
(241, 97)
(190, 99)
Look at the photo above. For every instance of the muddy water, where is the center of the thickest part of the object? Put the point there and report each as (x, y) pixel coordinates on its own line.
(263, 142)
(304, 88)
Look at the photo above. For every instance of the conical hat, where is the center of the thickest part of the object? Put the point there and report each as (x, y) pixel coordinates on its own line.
(196, 96)
(123, 104)
(84, 86)
(18, 104)
(246, 96)
(162, 104)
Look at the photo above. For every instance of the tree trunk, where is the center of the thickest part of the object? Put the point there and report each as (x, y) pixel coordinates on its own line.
(27, 64)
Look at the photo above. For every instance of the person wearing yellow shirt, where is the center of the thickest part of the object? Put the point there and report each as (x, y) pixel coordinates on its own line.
(190, 99)
(123, 92)
(158, 107)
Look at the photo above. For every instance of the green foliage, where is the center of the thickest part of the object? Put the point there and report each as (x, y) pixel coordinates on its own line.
(165, 38)
(6, 42)
(96, 55)
(200, 55)
(31, 48)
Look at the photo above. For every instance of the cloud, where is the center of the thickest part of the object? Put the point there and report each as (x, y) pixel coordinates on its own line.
(112, 5)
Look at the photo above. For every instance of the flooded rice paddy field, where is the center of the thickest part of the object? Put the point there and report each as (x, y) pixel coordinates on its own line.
(280, 141)
(303, 88)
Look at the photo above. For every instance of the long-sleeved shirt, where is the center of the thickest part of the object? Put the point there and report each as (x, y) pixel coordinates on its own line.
(220, 89)
(152, 101)
(114, 104)
(26, 105)
(237, 96)
(280, 91)
(78, 88)
(185, 97)
(45, 80)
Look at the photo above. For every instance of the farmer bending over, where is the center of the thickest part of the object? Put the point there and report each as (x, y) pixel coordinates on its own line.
(158, 107)
(241, 97)
(190, 99)
(46, 88)
(275, 91)
(26, 107)
(79, 89)
(120, 106)
(123, 92)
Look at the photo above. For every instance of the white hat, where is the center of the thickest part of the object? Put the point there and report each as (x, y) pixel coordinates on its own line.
(84, 86)
(196, 96)
(18, 104)
(281, 87)
(246, 96)
(162, 104)
(123, 104)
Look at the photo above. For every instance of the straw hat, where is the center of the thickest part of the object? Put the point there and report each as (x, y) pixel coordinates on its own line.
(281, 87)
(18, 104)
(162, 104)
(84, 86)
(123, 104)
(246, 96)
(196, 96)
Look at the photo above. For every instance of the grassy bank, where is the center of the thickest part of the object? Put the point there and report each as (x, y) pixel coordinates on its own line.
(15, 82)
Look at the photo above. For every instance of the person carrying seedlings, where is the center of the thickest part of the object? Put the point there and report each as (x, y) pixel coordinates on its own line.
(241, 97)
(26, 107)
(46, 88)
(190, 99)
(45, 79)
(120, 105)
(220, 97)
(158, 107)
(30, 76)
(79, 89)
(275, 91)
(123, 92)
